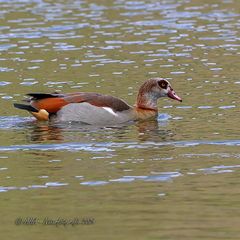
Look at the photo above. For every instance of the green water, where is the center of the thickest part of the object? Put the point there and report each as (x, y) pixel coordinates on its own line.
(174, 178)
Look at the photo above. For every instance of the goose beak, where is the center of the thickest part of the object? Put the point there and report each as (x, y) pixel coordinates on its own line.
(173, 95)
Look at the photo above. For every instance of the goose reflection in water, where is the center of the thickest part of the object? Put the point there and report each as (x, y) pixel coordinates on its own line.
(53, 131)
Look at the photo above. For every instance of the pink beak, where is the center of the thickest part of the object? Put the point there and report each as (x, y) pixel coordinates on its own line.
(173, 95)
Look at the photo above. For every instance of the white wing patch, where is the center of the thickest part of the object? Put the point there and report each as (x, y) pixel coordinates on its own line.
(110, 110)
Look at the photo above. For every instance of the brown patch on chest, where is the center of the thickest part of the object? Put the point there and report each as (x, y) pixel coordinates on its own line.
(145, 113)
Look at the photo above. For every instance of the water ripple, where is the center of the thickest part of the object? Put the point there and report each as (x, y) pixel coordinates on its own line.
(49, 184)
(219, 169)
(112, 146)
(94, 183)
(58, 147)
(156, 177)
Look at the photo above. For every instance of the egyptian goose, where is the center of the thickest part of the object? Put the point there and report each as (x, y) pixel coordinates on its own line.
(98, 109)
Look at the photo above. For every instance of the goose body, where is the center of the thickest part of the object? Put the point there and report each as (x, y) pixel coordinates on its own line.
(98, 109)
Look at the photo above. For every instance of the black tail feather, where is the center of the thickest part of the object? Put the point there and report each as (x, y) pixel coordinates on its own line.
(25, 107)
(38, 96)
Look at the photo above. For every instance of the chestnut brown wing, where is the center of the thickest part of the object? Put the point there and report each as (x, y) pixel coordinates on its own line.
(54, 102)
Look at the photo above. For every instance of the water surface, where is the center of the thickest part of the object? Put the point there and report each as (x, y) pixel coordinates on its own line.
(174, 178)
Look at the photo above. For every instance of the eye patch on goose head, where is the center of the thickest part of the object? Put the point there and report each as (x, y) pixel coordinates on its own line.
(163, 84)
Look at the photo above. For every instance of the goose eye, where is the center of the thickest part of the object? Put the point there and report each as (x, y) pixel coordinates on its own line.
(163, 84)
